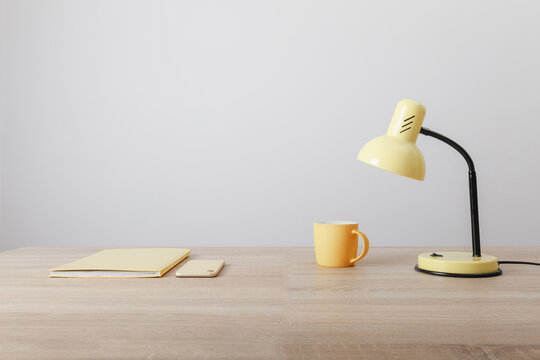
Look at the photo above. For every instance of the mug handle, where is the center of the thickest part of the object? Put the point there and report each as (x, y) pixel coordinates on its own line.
(366, 246)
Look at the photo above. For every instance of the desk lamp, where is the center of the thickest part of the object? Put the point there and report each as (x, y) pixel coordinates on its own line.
(397, 152)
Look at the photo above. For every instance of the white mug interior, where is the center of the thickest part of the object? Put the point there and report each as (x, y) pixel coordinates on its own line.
(337, 222)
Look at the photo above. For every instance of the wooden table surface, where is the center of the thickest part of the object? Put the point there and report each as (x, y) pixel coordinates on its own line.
(270, 303)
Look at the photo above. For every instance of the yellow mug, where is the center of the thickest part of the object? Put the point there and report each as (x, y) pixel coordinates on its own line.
(336, 243)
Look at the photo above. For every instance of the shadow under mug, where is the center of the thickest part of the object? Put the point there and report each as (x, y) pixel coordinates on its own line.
(336, 243)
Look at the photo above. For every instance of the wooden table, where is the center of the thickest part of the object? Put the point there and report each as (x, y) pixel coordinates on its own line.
(270, 303)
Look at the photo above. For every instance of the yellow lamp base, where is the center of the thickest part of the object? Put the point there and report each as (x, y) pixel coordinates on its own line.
(458, 264)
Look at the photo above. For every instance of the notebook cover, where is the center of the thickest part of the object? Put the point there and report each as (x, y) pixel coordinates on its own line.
(148, 260)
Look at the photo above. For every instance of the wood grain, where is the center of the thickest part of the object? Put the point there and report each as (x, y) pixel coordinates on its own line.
(270, 303)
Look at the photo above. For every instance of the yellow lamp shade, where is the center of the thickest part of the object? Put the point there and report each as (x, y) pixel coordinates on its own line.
(397, 151)
(394, 155)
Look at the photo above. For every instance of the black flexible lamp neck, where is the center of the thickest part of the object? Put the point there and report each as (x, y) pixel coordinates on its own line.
(472, 187)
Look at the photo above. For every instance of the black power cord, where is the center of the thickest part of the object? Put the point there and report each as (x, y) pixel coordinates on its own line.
(519, 262)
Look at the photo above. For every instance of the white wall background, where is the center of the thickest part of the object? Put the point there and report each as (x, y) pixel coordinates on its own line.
(185, 123)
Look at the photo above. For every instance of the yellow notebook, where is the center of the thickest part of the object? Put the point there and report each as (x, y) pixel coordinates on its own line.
(151, 262)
